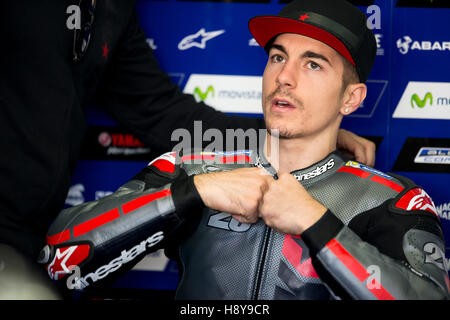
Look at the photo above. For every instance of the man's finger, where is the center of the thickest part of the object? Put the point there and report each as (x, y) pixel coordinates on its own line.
(244, 219)
(360, 155)
(371, 149)
(366, 154)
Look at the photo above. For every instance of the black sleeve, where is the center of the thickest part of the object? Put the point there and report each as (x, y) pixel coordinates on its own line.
(389, 252)
(142, 97)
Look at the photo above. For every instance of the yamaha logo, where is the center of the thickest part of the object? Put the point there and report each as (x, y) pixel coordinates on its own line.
(104, 139)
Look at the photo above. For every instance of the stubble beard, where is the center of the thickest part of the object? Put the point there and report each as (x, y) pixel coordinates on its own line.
(282, 131)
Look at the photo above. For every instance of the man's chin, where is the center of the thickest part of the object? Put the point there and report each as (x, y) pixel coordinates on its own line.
(281, 133)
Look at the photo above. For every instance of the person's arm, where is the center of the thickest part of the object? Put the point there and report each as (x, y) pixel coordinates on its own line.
(143, 98)
(393, 251)
(157, 208)
(398, 259)
(110, 235)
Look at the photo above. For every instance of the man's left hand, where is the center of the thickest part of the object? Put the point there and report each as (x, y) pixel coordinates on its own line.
(356, 148)
(288, 207)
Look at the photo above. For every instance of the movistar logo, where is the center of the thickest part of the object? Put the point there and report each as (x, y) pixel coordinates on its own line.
(415, 99)
(424, 100)
(203, 95)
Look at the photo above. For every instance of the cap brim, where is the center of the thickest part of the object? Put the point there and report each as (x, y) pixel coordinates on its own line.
(264, 28)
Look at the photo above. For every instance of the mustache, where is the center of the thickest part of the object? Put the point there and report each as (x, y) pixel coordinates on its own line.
(284, 93)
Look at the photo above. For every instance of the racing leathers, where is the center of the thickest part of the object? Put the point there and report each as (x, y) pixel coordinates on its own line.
(379, 239)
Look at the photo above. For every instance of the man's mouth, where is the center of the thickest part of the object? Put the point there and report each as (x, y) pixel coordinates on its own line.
(280, 105)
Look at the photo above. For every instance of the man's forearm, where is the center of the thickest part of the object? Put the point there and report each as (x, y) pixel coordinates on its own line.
(115, 232)
(354, 268)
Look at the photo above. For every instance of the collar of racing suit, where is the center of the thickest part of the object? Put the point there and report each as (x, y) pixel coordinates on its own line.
(310, 174)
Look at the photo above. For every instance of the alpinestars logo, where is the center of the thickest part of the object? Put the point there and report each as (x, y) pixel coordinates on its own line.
(65, 259)
(75, 281)
(60, 259)
(198, 39)
(406, 44)
(75, 195)
(316, 172)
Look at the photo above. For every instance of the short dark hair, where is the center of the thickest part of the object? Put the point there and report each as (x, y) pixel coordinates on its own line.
(350, 75)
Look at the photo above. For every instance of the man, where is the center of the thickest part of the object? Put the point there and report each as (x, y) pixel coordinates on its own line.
(315, 226)
(60, 56)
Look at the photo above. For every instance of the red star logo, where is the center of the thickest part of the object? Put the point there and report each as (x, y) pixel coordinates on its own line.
(105, 51)
(304, 17)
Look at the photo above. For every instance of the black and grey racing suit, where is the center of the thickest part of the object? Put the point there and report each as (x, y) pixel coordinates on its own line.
(380, 238)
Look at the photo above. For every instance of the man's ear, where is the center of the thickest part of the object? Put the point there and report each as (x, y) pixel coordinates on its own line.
(353, 96)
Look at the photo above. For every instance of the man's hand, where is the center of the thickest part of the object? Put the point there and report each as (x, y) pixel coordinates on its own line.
(288, 207)
(238, 192)
(356, 147)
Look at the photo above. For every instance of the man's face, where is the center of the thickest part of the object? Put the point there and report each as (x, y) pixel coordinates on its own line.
(302, 86)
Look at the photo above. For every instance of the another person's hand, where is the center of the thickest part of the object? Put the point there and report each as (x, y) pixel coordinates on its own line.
(288, 207)
(238, 191)
(356, 148)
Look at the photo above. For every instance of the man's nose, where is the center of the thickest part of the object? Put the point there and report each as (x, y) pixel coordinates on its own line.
(288, 76)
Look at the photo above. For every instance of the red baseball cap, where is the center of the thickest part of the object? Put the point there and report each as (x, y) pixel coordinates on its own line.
(337, 23)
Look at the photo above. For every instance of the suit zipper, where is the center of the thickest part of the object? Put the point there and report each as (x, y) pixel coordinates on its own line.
(261, 265)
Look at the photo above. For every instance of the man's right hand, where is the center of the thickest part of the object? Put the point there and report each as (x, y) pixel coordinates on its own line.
(238, 192)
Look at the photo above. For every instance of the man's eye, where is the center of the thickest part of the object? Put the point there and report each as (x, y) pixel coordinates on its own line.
(313, 66)
(277, 58)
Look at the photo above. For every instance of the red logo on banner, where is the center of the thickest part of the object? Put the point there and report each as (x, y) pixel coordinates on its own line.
(66, 259)
(104, 139)
(416, 199)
